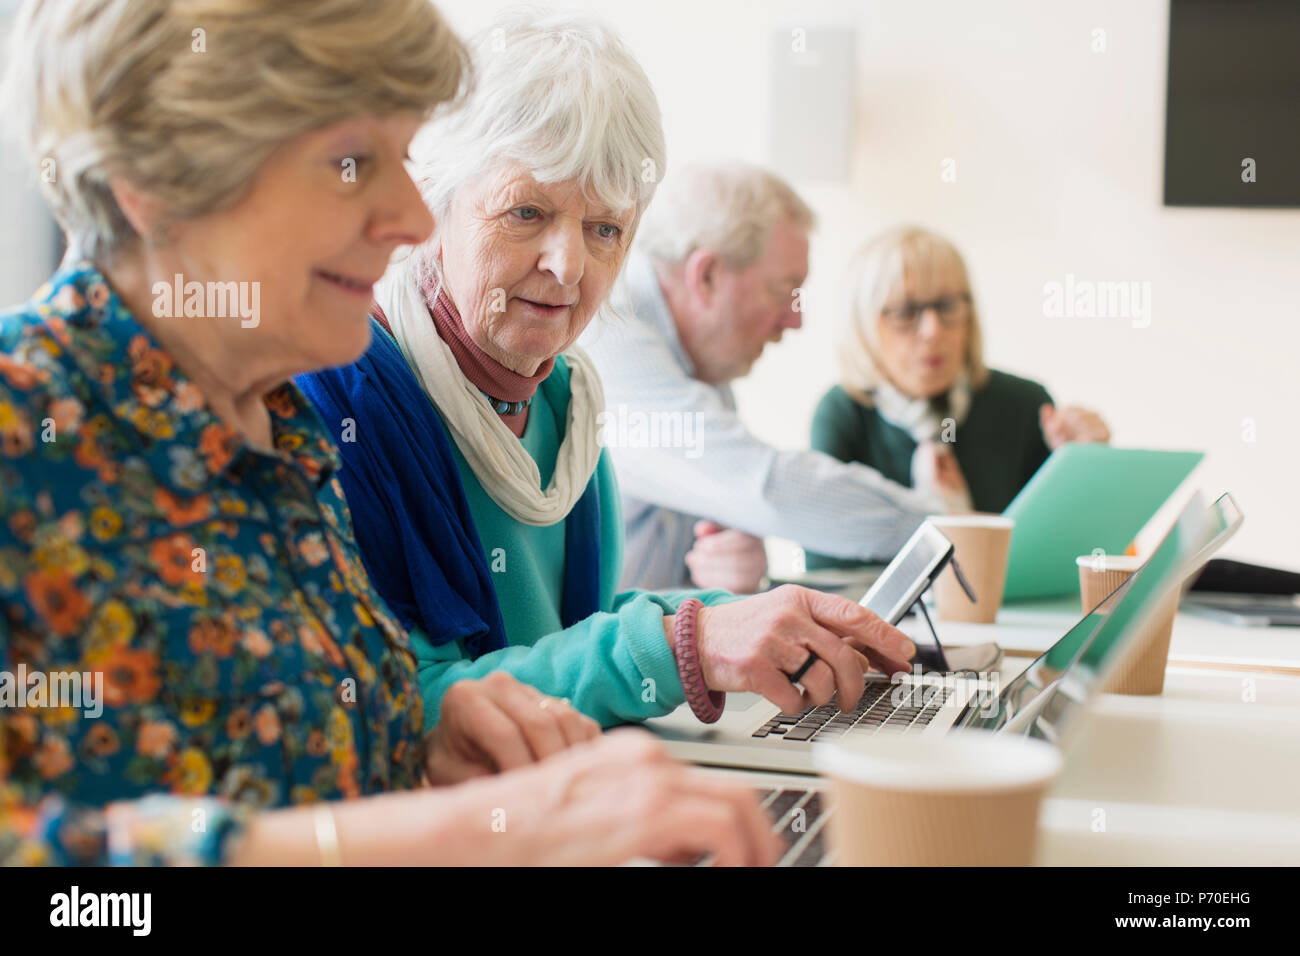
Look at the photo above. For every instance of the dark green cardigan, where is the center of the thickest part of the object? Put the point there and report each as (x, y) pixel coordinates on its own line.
(999, 446)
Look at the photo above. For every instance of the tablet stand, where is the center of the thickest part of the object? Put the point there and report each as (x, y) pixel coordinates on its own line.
(933, 658)
(930, 658)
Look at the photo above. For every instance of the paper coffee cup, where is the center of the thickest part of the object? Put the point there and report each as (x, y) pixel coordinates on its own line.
(1101, 574)
(964, 798)
(981, 544)
(1142, 669)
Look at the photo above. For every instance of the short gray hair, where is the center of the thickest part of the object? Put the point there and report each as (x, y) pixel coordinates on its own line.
(561, 95)
(187, 98)
(727, 207)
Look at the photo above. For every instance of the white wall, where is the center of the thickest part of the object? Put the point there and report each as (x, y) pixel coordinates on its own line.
(28, 234)
(1059, 153)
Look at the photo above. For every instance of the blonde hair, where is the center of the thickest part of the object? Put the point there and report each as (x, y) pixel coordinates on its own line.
(187, 98)
(910, 255)
(729, 208)
(558, 93)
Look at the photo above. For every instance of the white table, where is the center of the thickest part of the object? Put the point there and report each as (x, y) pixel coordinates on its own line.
(1208, 773)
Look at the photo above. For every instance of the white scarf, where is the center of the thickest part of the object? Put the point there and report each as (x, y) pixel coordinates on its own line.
(920, 418)
(505, 470)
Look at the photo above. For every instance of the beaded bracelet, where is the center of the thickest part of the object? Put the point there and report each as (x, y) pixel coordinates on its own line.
(706, 705)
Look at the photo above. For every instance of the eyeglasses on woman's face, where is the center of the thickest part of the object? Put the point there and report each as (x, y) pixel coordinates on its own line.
(953, 312)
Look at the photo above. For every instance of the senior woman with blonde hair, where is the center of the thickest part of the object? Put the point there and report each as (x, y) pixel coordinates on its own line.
(915, 400)
(176, 559)
(537, 184)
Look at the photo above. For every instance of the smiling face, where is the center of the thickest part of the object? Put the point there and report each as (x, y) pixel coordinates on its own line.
(315, 231)
(528, 264)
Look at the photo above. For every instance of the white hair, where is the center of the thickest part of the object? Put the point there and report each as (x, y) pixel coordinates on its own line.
(561, 95)
(730, 208)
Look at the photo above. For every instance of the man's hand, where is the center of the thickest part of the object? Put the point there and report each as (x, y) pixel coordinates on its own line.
(1071, 424)
(726, 558)
(496, 724)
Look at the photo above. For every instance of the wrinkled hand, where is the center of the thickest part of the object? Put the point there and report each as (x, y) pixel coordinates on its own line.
(620, 798)
(496, 724)
(752, 645)
(950, 481)
(1071, 424)
(726, 558)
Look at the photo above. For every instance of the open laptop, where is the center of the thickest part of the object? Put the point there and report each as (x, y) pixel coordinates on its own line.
(1045, 701)
(754, 734)
(1085, 497)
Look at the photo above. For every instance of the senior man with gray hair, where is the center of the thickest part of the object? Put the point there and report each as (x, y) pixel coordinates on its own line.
(712, 281)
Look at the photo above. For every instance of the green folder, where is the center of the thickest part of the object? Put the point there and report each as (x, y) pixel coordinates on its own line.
(1085, 497)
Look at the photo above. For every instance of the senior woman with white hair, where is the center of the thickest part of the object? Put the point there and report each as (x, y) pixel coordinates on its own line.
(913, 382)
(216, 678)
(537, 184)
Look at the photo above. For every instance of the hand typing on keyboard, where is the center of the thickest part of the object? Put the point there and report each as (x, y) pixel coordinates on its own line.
(754, 644)
(799, 818)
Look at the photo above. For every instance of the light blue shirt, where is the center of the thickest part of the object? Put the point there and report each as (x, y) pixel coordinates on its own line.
(682, 453)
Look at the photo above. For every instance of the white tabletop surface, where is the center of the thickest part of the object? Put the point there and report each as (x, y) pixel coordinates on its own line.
(1207, 773)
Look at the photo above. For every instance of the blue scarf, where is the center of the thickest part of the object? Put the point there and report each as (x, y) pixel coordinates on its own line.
(409, 511)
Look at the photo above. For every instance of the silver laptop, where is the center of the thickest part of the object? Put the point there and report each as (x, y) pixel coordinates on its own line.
(1047, 700)
(1042, 700)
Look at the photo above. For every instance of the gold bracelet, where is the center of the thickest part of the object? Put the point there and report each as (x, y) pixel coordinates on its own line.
(327, 837)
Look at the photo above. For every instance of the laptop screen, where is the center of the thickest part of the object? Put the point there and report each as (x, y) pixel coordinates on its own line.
(1195, 536)
(1062, 679)
(1038, 677)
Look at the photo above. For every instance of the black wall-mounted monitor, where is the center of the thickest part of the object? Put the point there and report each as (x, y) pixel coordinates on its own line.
(1232, 114)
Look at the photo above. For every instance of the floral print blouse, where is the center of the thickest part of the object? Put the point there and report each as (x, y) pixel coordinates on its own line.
(214, 591)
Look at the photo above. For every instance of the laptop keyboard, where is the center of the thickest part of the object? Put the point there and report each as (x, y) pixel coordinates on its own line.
(798, 816)
(799, 819)
(915, 706)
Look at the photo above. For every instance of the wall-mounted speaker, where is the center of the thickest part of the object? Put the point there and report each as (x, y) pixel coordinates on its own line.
(811, 102)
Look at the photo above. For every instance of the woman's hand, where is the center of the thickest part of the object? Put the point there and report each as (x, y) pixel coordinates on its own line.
(612, 800)
(1071, 424)
(726, 558)
(935, 469)
(498, 723)
(950, 482)
(603, 802)
(752, 645)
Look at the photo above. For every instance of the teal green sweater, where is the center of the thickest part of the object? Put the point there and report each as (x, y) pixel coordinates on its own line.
(999, 446)
(615, 666)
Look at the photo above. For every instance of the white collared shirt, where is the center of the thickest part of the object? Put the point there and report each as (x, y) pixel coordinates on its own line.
(682, 453)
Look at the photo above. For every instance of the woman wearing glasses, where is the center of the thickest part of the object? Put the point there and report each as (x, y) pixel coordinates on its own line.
(915, 400)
